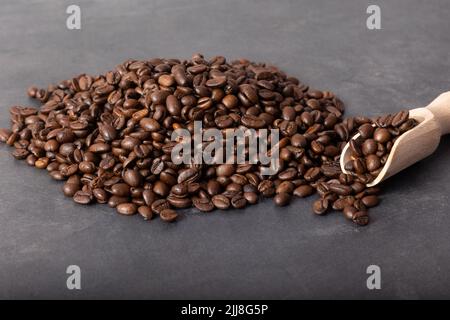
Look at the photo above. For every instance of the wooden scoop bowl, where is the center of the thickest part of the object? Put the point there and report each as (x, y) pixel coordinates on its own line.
(415, 144)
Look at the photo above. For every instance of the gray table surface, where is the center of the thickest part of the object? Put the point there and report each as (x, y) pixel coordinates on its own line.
(262, 251)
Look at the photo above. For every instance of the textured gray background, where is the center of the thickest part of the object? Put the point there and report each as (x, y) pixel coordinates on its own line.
(262, 251)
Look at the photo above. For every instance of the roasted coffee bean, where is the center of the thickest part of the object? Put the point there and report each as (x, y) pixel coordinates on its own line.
(360, 218)
(238, 201)
(203, 204)
(251, 197)
(120, 189)
(369, 146)
(340, 189)
(366, 131)
(168, 215)
(304, 191)
(372, 162)
(178, 202)
(86, 167)
(69, 189)
(321, 206)
(82, 197)
(281, 199)
(213, 187)
(100, 195)
(145, 212)
(370, 201)
(132, 177)
(160, 205)
(349, 211)
(126, 208)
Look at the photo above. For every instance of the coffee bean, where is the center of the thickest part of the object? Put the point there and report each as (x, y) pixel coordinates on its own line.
(349, 211)
(360, 218)
(366, 131)
(251, 197)
(221, 202)
(82, 197)
(281, 199)
(149, 124)
(100, 195)
(381, 135)
(369, 146)
(303, 191)
(168, 215)
(238, 201)
(120, 189)
(225, 170)
(145, 212)
(114, 201)
(370, 201)
(132, 177)
(320, 206)
(86, 167)
(160, 205)
(4, 134)
(203, 204)
(70, 189)
(340, 189)
(126, 208)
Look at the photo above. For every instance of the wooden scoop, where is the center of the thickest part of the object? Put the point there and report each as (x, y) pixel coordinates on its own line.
(415, 144)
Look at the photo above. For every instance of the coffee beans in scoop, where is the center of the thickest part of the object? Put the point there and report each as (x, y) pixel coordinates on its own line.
(109, 138)
(370, 151)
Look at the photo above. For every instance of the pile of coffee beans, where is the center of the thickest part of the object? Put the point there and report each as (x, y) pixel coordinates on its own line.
(109, 138)
(370, 150)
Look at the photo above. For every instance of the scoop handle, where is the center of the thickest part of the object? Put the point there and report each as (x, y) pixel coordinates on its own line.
(440, 107)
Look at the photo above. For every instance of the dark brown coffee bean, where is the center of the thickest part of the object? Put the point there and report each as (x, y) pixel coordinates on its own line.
(114, 201)
(340, 189)
(87, 167)
(145, 212)
(369, 146)
(251, 197)
(160, 188)
(149, 124)
(221, 202)
(82, 197)
(372, 162)
(303, 191)
(238, 201)
(370, 201)
(321, 206)
(282, 199)
(203, 204)
(69, 189)
(160, 205)
(360, 218)
(132, 177)
(4, 134)
(366, 131)
(120, 189)
(381, 135)
(100, 194)
(349, 211)
(126, 208)
(168, 215)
